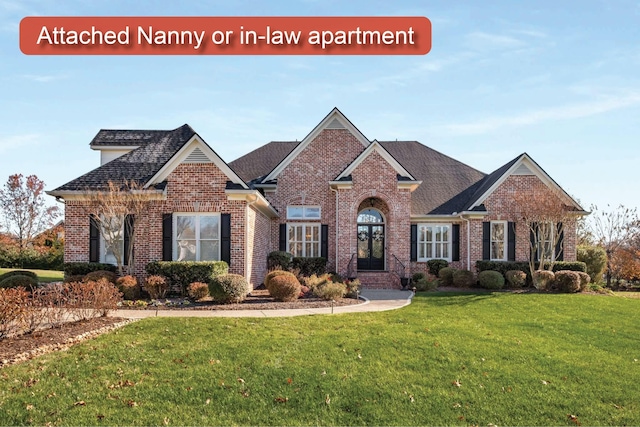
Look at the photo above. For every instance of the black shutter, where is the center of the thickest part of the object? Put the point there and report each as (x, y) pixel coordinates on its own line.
(414, 242)
(167, 237)
(511, 241)
(455, 242)
(128, 230)
(324, 241)
(486, 240)
(225, 238)
(533, 235)
(560, 242)
(94, 240)
(283, 238)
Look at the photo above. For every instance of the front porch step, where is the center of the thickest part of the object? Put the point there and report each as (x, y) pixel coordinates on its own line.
(378, 280)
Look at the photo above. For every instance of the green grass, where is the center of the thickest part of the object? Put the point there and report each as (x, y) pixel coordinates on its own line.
(43, 275)
(520, 359)
(628, 294)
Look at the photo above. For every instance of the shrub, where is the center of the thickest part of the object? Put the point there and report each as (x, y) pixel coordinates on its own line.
(569, 266)
(279, 260)
(585, 279)
(595, 259)
(12, 310)
(331, 291)
(426, 285)
(74, 278)
(446, 276)
(309, 266)
(504, 266)
(92, 298)
(156, 286)
(416, 277)
(353, 288)
(313, 282)
(542, 279)
(198, 290)
(304, 291)
(181, 273)
(31, 274)
(83, 268)
(128, 286)
(285, 288)
(334, 277)
(101, 274)
(19, 281)
(270, 275)
(515, 278)
(463, 279)
(435, 265)
(229, 288)
(489, 279)
(567, 281)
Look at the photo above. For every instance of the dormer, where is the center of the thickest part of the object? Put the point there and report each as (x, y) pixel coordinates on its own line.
(115, 143)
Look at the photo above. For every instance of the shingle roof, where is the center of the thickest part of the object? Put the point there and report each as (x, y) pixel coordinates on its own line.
(261, 161)
(140, 164)
(110, 137)
(486, 183)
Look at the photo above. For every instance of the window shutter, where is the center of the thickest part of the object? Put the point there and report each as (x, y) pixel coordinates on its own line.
(455, 242)
(486, 240)
(511, 241)
(414, 242)
(167, 237)
(94, 240)
(128, 230)
(283, 237)
(324, 241)
(560, 242)
(225, 238)
(533, 235)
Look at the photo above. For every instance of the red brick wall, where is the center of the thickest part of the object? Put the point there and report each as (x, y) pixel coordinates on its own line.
(258, 245)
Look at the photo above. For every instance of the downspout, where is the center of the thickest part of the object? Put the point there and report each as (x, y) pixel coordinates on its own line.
(468, 241)
(247, 274)
(336, 232)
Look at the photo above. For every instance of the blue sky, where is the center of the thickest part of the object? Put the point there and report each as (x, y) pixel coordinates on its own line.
(557, 81)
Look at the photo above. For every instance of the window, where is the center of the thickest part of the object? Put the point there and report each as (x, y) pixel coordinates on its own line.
(115, 233)
(498, 240)
(434, 241)
(196, 237)
(303, 240)
(545, 242)
(303, 212)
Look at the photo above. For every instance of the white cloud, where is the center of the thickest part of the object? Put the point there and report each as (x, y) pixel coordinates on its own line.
(484, 41)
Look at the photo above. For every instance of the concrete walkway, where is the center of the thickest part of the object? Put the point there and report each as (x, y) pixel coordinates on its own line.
(375, 300)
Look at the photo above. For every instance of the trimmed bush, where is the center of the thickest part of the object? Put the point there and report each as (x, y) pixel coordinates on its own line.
(504, 266)
(83, 268)
(74, 278)
(101, 274)
(426, 284)
(463, 279)
(595, 258)
(569, 266)
(542, 279)
(309, 266)
(229, 288)
(156, 286)
(331, 291)
(128, 286)
(92, 298)
(31, 274)
(198, 290)
(567, 281)
(435, 265)
(181, 273)
(417, 277)
(515, 278)
(270, 275)
(19, 281)
(585, 279)
(279, 260)
(446, 276)
(285, 288)
(489, 279)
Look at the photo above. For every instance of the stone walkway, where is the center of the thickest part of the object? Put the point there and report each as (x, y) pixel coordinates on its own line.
(375, 300)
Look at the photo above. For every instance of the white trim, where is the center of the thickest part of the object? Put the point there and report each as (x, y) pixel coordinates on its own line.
(434, 242)
(505, 241)
(113, 147)
(197, 215)
(251, 196)
(304, 210)
(341, 185)
(537, 171)
(85, 195)
(455, 216)
(408, 185)
(184, 152)
(376, 147)
(304, 225)
(335, 114)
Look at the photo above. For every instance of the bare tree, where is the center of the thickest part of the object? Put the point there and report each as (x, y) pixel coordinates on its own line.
(612, 229)
(25, 212)
(116, 211)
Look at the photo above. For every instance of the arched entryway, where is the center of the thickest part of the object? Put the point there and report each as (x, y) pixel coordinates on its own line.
(371, 235)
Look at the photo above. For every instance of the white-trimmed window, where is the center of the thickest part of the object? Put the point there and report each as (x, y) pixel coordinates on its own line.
(434, 241)
(498, 241)
(545, 241)
(196, 236)
(303, 212)
(106, 253)
(303, 240)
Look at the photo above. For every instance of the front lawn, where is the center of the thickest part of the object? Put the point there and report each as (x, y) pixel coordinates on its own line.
(44, 276)
(447, 359)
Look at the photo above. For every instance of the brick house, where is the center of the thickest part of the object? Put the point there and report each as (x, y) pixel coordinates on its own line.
(375, 209)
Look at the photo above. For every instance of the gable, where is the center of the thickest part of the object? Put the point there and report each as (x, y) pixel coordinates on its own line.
(375, 147)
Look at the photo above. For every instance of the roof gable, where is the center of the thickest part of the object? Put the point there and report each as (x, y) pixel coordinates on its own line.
(334, 120)
(375, 147)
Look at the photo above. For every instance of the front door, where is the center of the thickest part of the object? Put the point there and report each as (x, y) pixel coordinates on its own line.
(370, 247)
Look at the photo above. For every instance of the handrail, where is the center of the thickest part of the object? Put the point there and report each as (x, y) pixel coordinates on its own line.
(398, 267)
(350, 268)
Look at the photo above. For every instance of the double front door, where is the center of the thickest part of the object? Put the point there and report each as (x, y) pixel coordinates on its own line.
(370, 247)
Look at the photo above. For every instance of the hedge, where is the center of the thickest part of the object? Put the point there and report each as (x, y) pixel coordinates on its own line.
(504, 266)
(435, 265)
(309, 266)
(84, 268)
(182, 273)
(279, 260)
